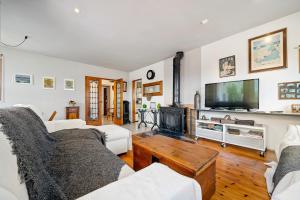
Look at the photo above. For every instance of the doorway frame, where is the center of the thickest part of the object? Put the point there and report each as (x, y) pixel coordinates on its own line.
(108, 95)
(134, 99)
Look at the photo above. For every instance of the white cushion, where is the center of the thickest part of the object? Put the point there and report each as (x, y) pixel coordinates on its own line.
(4, 194)
(113, 132)
(9, 177)
(290, 138)
(58, 125)
(155, 182)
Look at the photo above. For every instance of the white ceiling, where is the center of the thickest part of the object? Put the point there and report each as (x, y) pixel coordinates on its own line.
(129, 34)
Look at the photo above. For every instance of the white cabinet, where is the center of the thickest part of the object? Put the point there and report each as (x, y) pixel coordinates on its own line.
(253, 137)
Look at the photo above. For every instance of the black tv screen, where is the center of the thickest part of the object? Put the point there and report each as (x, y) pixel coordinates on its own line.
(233, 95)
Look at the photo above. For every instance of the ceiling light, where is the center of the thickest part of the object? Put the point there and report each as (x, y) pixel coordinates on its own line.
(205, 21)
(76, 10)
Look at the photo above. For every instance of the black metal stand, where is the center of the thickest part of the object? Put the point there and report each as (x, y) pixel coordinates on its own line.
(142, 118)
(155, 112)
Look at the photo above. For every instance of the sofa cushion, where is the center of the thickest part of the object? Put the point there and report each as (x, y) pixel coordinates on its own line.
(290, 138)
(113, 132)
(9, 177)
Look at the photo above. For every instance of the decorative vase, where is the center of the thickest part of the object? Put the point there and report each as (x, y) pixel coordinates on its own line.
(197, 103)
(197, 100)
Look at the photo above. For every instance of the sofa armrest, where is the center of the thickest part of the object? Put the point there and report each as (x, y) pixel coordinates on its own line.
(57, 125)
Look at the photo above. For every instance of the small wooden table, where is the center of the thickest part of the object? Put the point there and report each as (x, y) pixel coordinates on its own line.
(188, 159)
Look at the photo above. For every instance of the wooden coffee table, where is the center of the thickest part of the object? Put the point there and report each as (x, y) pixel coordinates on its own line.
(188, 159)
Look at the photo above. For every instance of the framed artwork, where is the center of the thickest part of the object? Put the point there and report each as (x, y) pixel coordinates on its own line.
(69, 84)
(124, 86)
(268, 51)
(289, 90)
(227, 66)
(49, 82)
(25, 79)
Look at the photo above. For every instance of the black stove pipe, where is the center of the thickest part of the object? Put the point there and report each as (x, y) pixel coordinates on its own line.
(176, 78)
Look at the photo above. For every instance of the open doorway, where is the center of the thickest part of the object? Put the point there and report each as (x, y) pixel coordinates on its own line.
(103, 101)
(108, 101)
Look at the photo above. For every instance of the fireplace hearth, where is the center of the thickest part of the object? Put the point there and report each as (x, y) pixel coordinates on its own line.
(172, 120)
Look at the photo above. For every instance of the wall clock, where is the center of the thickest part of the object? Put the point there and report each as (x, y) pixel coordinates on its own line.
(150, 74)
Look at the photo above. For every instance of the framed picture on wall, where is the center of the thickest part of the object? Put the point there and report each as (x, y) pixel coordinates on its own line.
(69, 84)
(49, 82)
(227, 66)
(268, 51)
(25, 79)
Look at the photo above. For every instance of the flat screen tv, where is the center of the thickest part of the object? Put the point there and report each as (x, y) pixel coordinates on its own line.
(233, 95)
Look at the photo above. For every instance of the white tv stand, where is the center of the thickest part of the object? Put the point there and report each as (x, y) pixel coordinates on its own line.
(253, 137)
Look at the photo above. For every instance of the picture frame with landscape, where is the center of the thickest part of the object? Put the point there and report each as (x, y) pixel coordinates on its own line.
(25, 79)
(268, 51)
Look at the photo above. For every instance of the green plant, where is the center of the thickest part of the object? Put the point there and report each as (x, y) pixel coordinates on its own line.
(158, 106)
(144, 106)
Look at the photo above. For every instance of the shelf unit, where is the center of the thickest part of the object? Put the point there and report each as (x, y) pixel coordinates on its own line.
(253, 137)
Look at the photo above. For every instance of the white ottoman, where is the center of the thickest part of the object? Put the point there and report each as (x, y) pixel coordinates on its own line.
(118, 139)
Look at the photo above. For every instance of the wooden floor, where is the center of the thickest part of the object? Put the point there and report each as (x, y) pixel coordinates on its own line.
(240, 172)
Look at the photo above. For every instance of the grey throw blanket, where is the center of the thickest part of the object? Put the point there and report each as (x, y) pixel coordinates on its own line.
(63, 165)
(289, 161)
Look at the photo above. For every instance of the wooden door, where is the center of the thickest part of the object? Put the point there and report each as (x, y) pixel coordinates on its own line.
(118, 102)
(93, 102)
(105, 99)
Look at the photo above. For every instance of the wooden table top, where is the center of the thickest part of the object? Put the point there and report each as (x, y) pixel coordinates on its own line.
(191, 156)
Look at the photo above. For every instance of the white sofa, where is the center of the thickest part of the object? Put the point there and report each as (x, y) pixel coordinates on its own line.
(156, 182)
(288, 187)
(118, 139)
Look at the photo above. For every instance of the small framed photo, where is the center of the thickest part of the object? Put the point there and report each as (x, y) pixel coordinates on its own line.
(25, 79)
(227, 66)
(124, 86)
(69, 84)
(49, 82)
(152, 105)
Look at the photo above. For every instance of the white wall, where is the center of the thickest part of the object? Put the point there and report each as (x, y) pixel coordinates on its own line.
(158, 68)
(190, 80)
(16, 61)
(238, 45)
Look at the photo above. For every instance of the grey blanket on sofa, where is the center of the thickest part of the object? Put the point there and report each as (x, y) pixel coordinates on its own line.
(289, 161)
(65, 164)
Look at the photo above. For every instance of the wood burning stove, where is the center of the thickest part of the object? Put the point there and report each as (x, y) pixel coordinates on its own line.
(172, 118)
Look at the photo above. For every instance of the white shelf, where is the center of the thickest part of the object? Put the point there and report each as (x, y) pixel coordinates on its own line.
(244, 138)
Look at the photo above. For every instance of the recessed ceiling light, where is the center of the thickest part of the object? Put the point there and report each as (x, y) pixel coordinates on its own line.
(76, 10)
(205, 21)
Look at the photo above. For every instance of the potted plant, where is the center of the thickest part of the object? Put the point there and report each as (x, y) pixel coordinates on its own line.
(158, 106)
(144, 106)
